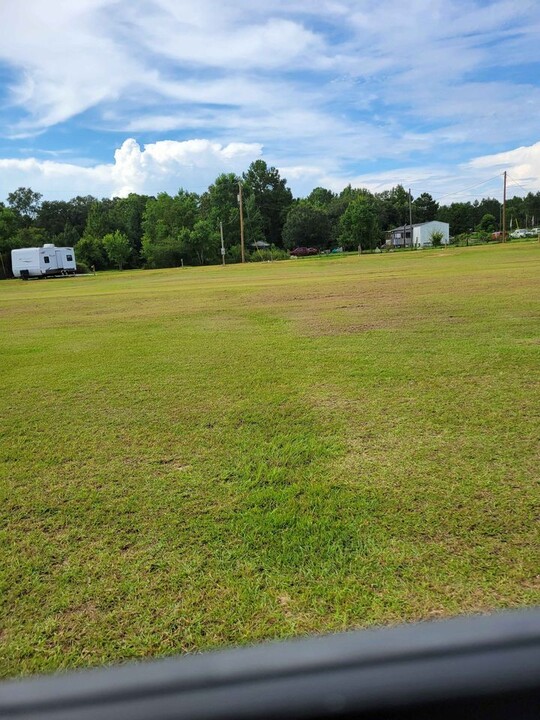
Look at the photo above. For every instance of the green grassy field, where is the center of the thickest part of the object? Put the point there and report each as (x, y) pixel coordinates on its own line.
(202, 457)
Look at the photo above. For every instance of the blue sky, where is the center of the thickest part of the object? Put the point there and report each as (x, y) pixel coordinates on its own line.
(107, 97)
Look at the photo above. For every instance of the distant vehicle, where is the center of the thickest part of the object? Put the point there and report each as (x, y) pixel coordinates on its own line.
(520, 233)
(46, 261)
(304, 251)
(497, 235)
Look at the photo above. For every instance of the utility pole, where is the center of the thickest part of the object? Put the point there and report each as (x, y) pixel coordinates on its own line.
(504, 211)
(222, 243)
(242, 248)
(410, 218)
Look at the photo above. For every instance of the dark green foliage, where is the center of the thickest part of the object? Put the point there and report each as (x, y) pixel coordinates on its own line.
(398, 206)
(167, 253)
(29, 237)
(234, 254)
(9, 224)
(25, 202)
(487, 223)
(117, 248)
(82, 268)
(306, 225)
(167, 223)
(99, 221)
(68, 237)
(359, 225)
(90, 251)
(424, 208)
(253, 221)
(202, 244)
(65, 221)
(321, 197)
(460, 216)
(126, 214)
(272, 198)
(220, 204)
(53, 216)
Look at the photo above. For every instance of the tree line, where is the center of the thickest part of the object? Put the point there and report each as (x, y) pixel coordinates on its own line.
(170, 230)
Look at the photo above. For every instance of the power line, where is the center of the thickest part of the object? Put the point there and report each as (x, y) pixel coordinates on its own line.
(519, 184)
(471, 187)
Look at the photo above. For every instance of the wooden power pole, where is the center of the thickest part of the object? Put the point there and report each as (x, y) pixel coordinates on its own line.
(410, 219)
(504, 210)
(222, 243)
(242, 248)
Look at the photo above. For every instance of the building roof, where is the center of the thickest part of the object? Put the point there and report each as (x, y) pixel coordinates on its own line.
(415, 225)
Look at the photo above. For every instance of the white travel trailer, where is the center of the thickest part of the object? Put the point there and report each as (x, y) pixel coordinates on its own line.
(46, 261)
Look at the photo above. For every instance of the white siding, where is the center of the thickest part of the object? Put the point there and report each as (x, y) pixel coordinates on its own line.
(422, 233)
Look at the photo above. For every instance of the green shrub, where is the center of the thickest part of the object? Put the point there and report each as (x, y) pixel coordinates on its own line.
(268, 254)
(234, 254)
(436, 238)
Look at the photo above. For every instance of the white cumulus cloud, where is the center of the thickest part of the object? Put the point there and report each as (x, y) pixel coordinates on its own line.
(162, 166)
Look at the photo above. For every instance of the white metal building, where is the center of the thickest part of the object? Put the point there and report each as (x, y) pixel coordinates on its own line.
(421, 234)
(423, 231)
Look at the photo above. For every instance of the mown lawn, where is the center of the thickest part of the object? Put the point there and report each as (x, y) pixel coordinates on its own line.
(202, 457)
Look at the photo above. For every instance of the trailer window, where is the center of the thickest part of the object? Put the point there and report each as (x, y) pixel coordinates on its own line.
(46, 258)
(69, 257)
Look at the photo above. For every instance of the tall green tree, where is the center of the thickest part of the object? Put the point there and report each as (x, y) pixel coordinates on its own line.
(25, 202)
(52, 216)
(117, 247)
(490, 206)
(321, 197)
(167, 222)
(9, 225)
(79, 207)
(69, 236)
(460, 216)
(359, 225)
(487, 224)
(99, 221)
(399, 201)
(424, 208)
(253, 222)
(126, 214)
(202, 244)
(220, 204)
(90, 250)
(306, 226)
(272, 197)
(531, 206)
